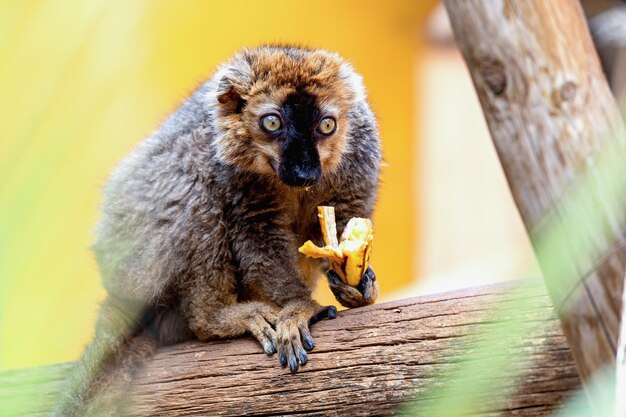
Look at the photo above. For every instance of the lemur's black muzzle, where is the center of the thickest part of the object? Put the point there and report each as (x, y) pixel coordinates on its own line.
(302, 177)
(300, 165)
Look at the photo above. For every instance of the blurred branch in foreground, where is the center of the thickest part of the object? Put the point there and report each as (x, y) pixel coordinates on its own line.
(560, 139)
(561, 142)
(550, 113)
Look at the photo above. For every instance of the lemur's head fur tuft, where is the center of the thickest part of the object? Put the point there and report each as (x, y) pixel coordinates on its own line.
(283, 111)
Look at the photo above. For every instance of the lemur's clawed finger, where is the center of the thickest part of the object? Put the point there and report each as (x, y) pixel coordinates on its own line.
(368, 286)
(290, 347)
(262, 330)
(364, 293)
(298, 350)
(307, 339)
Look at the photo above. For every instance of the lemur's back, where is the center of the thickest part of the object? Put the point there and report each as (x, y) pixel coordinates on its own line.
(146, 205)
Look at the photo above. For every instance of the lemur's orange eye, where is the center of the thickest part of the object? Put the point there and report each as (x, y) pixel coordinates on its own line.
(327, 126)
(271, 123)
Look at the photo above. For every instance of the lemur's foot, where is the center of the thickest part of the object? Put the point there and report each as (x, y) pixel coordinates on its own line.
(363, 294)
(261, 323)
(294, 337)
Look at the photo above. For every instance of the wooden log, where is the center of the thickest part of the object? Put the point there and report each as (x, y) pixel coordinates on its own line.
(368, 361)
(550, 112)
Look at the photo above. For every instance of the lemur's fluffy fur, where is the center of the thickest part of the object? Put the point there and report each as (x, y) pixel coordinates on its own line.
(200, 231)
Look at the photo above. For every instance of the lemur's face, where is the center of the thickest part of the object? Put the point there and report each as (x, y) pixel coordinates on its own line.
(285, 113)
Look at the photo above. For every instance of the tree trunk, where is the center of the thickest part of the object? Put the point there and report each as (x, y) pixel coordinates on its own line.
(550, 112)
(368, 361)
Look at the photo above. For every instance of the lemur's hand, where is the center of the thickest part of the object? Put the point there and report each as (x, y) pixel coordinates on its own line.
(292, 327)
(363, 294)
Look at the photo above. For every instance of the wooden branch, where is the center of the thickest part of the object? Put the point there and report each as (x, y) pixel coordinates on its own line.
(368, 361)
(550, 111)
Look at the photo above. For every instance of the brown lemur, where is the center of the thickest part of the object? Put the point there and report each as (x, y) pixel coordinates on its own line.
(201, 224)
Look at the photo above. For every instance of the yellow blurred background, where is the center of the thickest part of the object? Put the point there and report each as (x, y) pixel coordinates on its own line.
(82, 82)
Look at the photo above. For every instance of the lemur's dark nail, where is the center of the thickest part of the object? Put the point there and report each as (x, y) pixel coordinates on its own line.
(269, 348)
(302, 358)
(293, 363)
(282, 357)
(307, 342)
(332, 312)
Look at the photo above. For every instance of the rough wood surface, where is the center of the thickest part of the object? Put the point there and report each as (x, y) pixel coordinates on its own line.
(550, 111)
(368, 361)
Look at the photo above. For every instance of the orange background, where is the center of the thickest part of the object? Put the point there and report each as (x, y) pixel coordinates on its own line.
(83, 81)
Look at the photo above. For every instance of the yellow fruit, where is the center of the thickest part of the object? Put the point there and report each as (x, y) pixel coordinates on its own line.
(348, 257)
(311, 249)
(355, 244)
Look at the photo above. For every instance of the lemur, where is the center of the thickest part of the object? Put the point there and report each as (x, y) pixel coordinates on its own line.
(201, 224)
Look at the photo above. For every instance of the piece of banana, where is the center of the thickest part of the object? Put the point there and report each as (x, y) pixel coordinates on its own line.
(348, 256)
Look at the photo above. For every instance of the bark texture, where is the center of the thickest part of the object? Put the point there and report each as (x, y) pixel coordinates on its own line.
(550, 111)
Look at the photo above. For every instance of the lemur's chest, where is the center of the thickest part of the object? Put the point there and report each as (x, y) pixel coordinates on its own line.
(301, 211)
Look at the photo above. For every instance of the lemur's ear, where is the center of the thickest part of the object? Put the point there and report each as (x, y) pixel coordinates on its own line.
(227, 94)
(233, 85)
